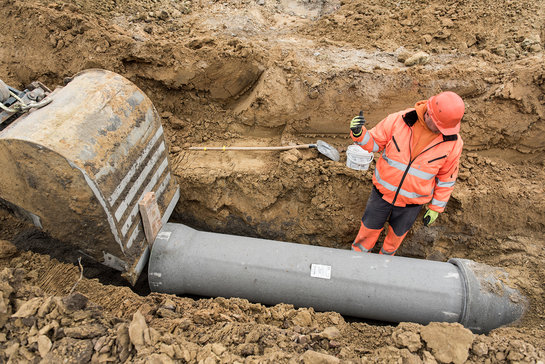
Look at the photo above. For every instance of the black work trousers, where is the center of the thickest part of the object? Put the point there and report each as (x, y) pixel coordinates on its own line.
(378, 211)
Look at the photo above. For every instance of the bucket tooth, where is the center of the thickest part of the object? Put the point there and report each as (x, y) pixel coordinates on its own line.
(80, 165)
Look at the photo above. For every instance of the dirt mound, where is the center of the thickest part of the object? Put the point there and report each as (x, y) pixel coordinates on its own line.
(280, 72)
(436, 27)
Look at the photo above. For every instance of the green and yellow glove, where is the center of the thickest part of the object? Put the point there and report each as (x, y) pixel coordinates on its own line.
(356, 125)
(430, 217)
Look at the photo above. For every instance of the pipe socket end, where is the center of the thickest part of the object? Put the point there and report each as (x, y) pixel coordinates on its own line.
(490, 301)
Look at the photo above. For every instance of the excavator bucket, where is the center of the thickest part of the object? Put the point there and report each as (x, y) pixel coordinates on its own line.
(79, 166)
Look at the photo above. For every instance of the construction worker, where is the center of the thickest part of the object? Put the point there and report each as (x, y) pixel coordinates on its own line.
(421, 149)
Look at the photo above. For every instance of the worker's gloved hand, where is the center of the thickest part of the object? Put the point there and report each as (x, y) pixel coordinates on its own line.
(430, 217)
(357, 124)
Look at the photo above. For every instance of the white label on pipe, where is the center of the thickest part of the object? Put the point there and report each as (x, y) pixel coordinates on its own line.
(165, 235)
(320, 271)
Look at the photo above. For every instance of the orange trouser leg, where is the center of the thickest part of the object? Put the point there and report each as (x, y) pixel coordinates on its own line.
(366, 239)
(391, 242)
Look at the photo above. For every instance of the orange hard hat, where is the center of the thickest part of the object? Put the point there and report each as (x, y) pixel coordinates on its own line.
(446, 110)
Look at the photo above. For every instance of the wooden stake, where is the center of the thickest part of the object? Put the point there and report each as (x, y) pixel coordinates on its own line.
(151, 217)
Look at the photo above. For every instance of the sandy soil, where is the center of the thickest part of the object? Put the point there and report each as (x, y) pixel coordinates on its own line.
(276, 72)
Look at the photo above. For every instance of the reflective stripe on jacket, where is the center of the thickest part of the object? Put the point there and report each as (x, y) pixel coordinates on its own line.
(430, 176)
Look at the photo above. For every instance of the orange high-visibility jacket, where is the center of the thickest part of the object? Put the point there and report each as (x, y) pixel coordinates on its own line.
(430, 176)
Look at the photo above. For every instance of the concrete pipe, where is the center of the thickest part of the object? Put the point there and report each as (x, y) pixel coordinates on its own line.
(394, 289)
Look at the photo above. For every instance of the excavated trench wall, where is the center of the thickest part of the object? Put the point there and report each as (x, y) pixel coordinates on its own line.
(242, 82)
